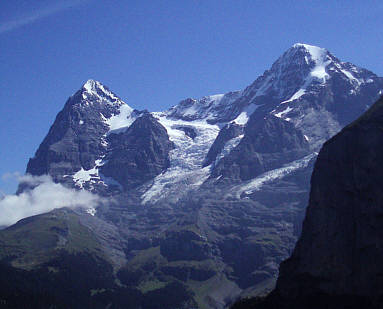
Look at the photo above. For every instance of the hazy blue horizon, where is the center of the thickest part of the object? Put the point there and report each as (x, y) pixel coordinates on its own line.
(154, 54)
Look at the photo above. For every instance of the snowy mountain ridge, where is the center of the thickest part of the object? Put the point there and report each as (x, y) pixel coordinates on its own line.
(216, 187)
(290, 90)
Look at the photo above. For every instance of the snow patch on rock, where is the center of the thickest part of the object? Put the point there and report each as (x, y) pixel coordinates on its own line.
(82, 176)
(244, 116)
(206, 108)
(229, 146)
(121, 120)
(255, 184)
(282, 113)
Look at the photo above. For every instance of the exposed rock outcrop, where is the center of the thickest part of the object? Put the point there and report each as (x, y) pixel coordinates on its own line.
(138, 154)
(337, 262)
(340, 251)
(268, 142)
(227, 133)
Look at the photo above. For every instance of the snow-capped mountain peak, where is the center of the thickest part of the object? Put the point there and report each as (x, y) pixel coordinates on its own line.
(288, 79)
(325, 63)
(316, 53)
(301, 74)
(304, 69)
(321, 58)
(93, 91)
(91, 85)
(310, 60)
(115, 113)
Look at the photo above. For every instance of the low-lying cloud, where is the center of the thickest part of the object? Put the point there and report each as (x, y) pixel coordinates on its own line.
(44, 197)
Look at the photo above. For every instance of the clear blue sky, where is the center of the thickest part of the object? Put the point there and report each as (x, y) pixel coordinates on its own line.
(155, 53)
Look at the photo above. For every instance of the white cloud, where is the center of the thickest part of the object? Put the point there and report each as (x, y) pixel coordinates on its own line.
(45, 197)
(44, 12)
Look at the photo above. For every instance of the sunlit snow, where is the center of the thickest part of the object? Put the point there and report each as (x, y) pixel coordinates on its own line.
(185, 171)
(351, 77)
(295, 96)
(91, 87)
(229, 146)
(282, 113)
(207, 107)
(121, 120)
(255, 184)
(243, 117)
(82, 176)
(92, 211)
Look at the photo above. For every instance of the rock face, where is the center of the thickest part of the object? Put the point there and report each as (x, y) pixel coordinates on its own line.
(213, 188)
(227, 133)
(268, 143)
(142, 150)
(76, 143)
(340, 251)
(71, 142)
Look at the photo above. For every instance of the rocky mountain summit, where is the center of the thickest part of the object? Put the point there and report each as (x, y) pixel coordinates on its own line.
(207, 197)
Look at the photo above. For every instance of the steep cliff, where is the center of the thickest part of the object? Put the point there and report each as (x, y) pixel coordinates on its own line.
(340, 251)
(338, 260)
